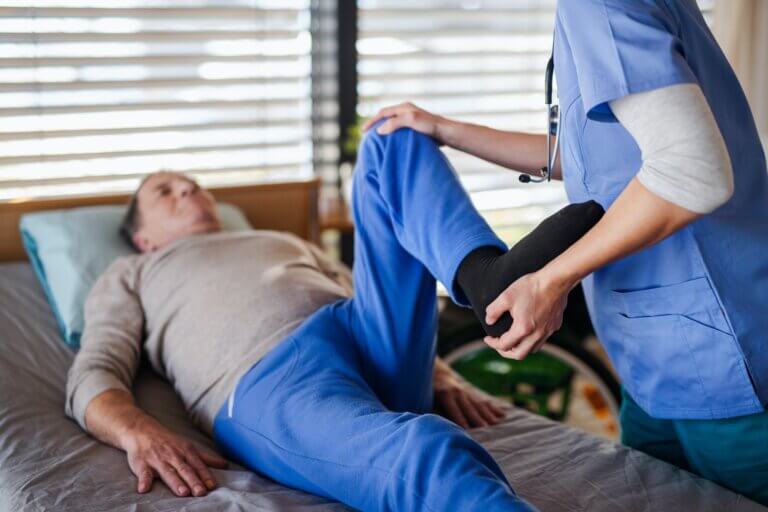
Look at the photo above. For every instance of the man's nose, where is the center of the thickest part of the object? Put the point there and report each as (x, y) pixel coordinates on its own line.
(186, 189)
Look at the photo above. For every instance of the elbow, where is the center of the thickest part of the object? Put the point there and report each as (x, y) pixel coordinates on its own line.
(724, 188)
(729, 188)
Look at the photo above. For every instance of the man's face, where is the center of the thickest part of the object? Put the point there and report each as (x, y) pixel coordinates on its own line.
(172, 206)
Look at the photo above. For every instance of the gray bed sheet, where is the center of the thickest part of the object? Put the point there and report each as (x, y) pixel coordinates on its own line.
(48, 463)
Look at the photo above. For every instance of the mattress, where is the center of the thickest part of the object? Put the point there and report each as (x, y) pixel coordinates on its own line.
(48, 463)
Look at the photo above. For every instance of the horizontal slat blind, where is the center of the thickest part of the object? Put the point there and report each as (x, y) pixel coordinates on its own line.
(325, 132)
(96, 93)
(481, 61)
(475, 61)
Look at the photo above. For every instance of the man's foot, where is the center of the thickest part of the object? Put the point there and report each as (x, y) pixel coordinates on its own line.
(486, 271)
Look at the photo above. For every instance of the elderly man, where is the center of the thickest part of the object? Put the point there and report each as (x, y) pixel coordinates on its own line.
(296, 374)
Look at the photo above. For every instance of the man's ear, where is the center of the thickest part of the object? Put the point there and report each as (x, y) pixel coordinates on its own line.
(141, 242)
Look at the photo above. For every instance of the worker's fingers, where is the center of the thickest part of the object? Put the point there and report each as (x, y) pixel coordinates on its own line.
(525, 347)
(214, 460)
(522, 328)
(498, 307)
(471, 411)
(171, 478)
(381, 114)
(538, 346)
(392, 124)
(144, 475)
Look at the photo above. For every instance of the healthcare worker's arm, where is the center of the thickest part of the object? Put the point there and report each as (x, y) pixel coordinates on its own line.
(522, 152)
(682, 150)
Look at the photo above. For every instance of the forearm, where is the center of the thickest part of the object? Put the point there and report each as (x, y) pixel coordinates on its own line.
(637, 219)
(114, 418)
(523, 152)
(686, 172)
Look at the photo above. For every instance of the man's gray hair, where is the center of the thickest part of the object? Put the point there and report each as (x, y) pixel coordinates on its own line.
(132, 220)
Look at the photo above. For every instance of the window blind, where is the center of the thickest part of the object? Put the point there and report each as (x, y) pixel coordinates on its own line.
(480, 61)
(96, 93)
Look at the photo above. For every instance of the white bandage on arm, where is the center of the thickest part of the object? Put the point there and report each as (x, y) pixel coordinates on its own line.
(685, 159)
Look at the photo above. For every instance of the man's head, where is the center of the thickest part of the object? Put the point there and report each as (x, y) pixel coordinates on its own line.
(168, 206)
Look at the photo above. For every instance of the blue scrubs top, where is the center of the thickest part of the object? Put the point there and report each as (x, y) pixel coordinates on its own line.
(686, 320)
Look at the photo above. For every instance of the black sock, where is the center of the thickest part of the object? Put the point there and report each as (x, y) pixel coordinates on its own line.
(487, 271)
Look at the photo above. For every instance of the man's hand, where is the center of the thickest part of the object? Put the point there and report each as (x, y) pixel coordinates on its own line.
(536, 306)
(458, 401)
(154, 451)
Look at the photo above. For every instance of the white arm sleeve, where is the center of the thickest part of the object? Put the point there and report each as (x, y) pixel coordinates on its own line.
(685, 160)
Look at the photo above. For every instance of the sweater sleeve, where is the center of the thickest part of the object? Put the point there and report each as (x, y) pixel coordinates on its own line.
(685, 159)
(110, 347)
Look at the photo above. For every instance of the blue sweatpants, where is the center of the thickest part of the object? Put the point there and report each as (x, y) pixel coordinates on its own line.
(341, 407)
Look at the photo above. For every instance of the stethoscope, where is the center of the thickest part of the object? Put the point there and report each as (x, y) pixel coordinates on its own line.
(553, 128)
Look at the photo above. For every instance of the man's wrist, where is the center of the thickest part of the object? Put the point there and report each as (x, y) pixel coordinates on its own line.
(134, 424)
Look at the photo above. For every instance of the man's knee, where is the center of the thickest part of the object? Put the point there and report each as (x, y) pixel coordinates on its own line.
(375, 147)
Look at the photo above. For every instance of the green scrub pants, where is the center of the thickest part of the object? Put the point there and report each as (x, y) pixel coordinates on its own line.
(732, 452)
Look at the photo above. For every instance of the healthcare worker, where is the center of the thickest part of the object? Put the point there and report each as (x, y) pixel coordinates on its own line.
(654, 127)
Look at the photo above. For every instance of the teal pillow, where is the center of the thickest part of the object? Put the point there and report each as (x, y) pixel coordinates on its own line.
(69, 250)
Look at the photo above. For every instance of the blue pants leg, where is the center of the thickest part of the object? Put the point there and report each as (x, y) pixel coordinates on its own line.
(415, 222)
(333, 409)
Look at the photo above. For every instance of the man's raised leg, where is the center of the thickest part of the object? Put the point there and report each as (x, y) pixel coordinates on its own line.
(414, 222)
(332, 410)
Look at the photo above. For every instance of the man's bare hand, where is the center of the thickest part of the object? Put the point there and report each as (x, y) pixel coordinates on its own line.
(154, 451)
(458, 401)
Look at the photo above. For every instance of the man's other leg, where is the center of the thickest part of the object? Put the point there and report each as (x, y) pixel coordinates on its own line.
(413, 221)
(305, 417)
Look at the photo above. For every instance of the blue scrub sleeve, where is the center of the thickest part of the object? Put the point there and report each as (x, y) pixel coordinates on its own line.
(622, 47)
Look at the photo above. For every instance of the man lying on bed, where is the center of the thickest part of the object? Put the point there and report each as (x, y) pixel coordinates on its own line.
(298, 376)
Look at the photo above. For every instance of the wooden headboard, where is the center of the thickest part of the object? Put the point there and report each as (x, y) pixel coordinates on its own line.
(285, 206)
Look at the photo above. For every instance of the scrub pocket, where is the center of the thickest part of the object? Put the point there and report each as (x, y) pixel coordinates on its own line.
(684, 360)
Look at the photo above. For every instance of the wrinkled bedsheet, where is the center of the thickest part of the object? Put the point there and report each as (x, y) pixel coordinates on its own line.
(48, 463)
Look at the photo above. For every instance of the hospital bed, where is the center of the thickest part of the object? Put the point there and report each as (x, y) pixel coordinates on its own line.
(48, 463)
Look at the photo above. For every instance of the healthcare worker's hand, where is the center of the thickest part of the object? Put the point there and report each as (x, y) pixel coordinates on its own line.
(536, 304)
(460, 402)
(406, 115)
